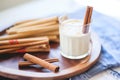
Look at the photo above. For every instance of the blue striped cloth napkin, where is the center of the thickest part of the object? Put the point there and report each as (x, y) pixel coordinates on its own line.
(108, 29)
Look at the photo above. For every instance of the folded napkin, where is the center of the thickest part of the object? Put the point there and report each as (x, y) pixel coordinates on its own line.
(108, 29)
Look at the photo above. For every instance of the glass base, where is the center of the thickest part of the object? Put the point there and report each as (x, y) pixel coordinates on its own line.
(74, 57)
(77, 57)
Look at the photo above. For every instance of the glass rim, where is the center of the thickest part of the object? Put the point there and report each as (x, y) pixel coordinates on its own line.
(78, 20)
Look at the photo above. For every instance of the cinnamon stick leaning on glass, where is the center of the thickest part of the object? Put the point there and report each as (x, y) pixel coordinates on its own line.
(87, 19)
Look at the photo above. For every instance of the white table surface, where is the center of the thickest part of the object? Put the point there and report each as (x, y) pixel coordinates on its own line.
(12, 11)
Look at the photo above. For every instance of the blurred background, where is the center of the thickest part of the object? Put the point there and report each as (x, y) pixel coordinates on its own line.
(12, 11)
(110, 7)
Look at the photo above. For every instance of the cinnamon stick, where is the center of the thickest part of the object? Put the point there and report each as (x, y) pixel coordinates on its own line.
(24, 21)
(90, 15)
(24, 40)
(39, 21)
(15, 36)
(42, 46)
(41, 62)
(8, 50)
(87, 19)
(56, 40)
(24, 44)
(53, 38)
(86, 15)
(40, 30)
(22, 35)
(50, 33)
(14, 30)
(27, 63)
(24, 50)
(36, 48)
(31, 50)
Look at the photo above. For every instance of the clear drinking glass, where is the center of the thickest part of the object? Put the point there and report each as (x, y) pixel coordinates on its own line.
(74, 44)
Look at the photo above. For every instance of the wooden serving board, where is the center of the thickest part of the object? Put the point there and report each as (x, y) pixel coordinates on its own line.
(68, 68)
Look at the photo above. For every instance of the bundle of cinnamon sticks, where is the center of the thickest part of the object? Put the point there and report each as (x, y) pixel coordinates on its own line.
(38, 44)
(30, 36)
(34, 28)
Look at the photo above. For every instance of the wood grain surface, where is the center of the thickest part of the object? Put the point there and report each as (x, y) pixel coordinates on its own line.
(68, 68)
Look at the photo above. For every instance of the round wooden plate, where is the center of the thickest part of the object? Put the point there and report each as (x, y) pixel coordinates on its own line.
(68, 68)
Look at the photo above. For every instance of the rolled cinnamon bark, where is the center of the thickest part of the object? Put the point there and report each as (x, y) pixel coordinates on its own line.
(8, 50)
(31, 50)
(15, 36)
(24, 44)
(53, 38)
(86, 15)
(41, 62)
(39, 21)
(42, 46)
(90, 14)
(49, 33)
(27, 63)
(24, 21)
(29, 33)
(56, 40)
(14, 30)
(36, 48)
(87, 19)
(24, 40)
(40, 30)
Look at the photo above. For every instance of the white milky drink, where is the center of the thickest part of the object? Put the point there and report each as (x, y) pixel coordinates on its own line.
(73, 43)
